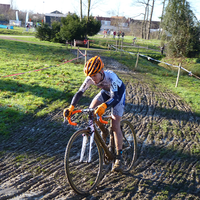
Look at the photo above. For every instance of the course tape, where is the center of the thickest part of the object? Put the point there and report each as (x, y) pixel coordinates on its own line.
(149, 58)
(42, 68)
(81, 52)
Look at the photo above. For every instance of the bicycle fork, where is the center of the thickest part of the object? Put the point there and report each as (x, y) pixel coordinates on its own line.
(84, 143)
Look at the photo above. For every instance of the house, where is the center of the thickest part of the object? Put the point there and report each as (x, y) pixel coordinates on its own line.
(114, 23)
(120, 23)
(4, 8)
(53, 16)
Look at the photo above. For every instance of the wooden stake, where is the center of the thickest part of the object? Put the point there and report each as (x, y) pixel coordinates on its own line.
(179, 69)
(77, 53)
(85, 56)
(136, 64)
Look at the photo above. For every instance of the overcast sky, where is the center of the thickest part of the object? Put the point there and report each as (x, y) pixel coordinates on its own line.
(104, 8)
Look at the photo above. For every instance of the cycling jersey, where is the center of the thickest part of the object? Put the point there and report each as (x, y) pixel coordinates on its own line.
(113, 89)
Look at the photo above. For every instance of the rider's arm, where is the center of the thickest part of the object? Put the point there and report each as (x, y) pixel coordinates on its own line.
(116, 95)
(81, 90)
(76, 97)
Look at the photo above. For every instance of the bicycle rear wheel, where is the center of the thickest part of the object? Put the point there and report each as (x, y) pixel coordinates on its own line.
(83, 176)
(129, 145)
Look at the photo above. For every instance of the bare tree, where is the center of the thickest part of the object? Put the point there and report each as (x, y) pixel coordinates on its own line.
(150, 19)
(164, 1)
(88, 9)
(11, 4)
(81, 14)
(146, 20)
(144, 23)
(88, 14)
(119, 22)
(144, 3)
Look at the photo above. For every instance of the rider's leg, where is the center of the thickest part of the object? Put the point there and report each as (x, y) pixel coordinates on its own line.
(117, 131)
(104, 130)
(118, 166)
(94, 103)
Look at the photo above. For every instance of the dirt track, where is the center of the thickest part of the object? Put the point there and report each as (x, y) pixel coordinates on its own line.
(168, 165)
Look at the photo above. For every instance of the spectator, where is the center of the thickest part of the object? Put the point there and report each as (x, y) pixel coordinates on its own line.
(162, 49)
(118, 34)
(123, 35)
(108, 32)
(27, 27)
(134, 40)
(114, 34)
(104, 33)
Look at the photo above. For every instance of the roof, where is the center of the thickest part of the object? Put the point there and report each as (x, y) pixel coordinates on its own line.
(102, 18)
(56, 12)
(118, 17)
(55, 15)
(109, 18)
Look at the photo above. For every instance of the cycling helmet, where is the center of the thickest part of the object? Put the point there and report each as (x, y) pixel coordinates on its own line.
(93, 66)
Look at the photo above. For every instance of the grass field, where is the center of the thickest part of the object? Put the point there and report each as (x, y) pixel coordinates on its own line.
(40, 92)
(17, 31)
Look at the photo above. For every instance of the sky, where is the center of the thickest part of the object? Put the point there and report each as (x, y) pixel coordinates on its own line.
(104, 8)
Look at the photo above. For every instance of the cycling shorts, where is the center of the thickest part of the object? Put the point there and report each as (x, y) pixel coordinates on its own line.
(118, 109)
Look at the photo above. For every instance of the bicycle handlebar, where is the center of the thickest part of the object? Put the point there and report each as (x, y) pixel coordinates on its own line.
(84, 110)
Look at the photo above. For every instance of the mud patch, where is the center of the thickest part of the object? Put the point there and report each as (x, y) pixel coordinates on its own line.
(168, 165)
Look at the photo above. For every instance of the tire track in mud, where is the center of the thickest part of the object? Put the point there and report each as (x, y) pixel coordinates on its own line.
(168, 165)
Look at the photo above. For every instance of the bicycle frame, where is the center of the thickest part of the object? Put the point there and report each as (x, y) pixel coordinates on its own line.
(93, 133)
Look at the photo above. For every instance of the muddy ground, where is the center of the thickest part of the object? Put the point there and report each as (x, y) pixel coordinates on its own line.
(168, 165)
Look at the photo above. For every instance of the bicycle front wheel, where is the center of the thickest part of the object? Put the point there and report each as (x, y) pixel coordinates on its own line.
(83, 162)
(129, 145)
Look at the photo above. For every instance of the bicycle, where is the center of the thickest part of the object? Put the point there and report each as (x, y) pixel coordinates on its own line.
(86, 151)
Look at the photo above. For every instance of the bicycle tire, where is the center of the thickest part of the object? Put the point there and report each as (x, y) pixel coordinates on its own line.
(84, 176)
(129, 147)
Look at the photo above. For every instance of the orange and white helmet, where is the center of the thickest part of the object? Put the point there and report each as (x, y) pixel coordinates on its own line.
(93, 66)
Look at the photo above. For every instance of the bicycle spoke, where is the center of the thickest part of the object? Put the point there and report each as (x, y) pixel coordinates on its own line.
(83, 176)
(129, 145)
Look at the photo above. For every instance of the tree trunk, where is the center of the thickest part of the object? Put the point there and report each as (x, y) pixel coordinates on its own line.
(161, 19)
(81, 14)
(143, 23)
(150, 19)
(89, 2)
(146, 21)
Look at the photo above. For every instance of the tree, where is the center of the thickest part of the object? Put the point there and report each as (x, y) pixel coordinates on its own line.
(88, 14)
(182, 24)
(93, 26)
(44, 32)
(144, 3)
(161, 18)
(150, 19)
(81, 13)
(72, 28)
(119, 22)
(69, 29)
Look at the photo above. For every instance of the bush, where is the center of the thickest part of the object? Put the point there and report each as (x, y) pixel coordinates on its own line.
(44, 32)
(69, 29)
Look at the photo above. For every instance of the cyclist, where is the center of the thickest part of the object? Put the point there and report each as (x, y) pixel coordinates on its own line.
(112, 95)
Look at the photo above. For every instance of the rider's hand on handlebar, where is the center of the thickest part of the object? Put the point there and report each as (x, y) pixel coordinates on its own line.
(68, 111)
(101, 109)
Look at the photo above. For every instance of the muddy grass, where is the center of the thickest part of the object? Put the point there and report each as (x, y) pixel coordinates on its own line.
(168, 165)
